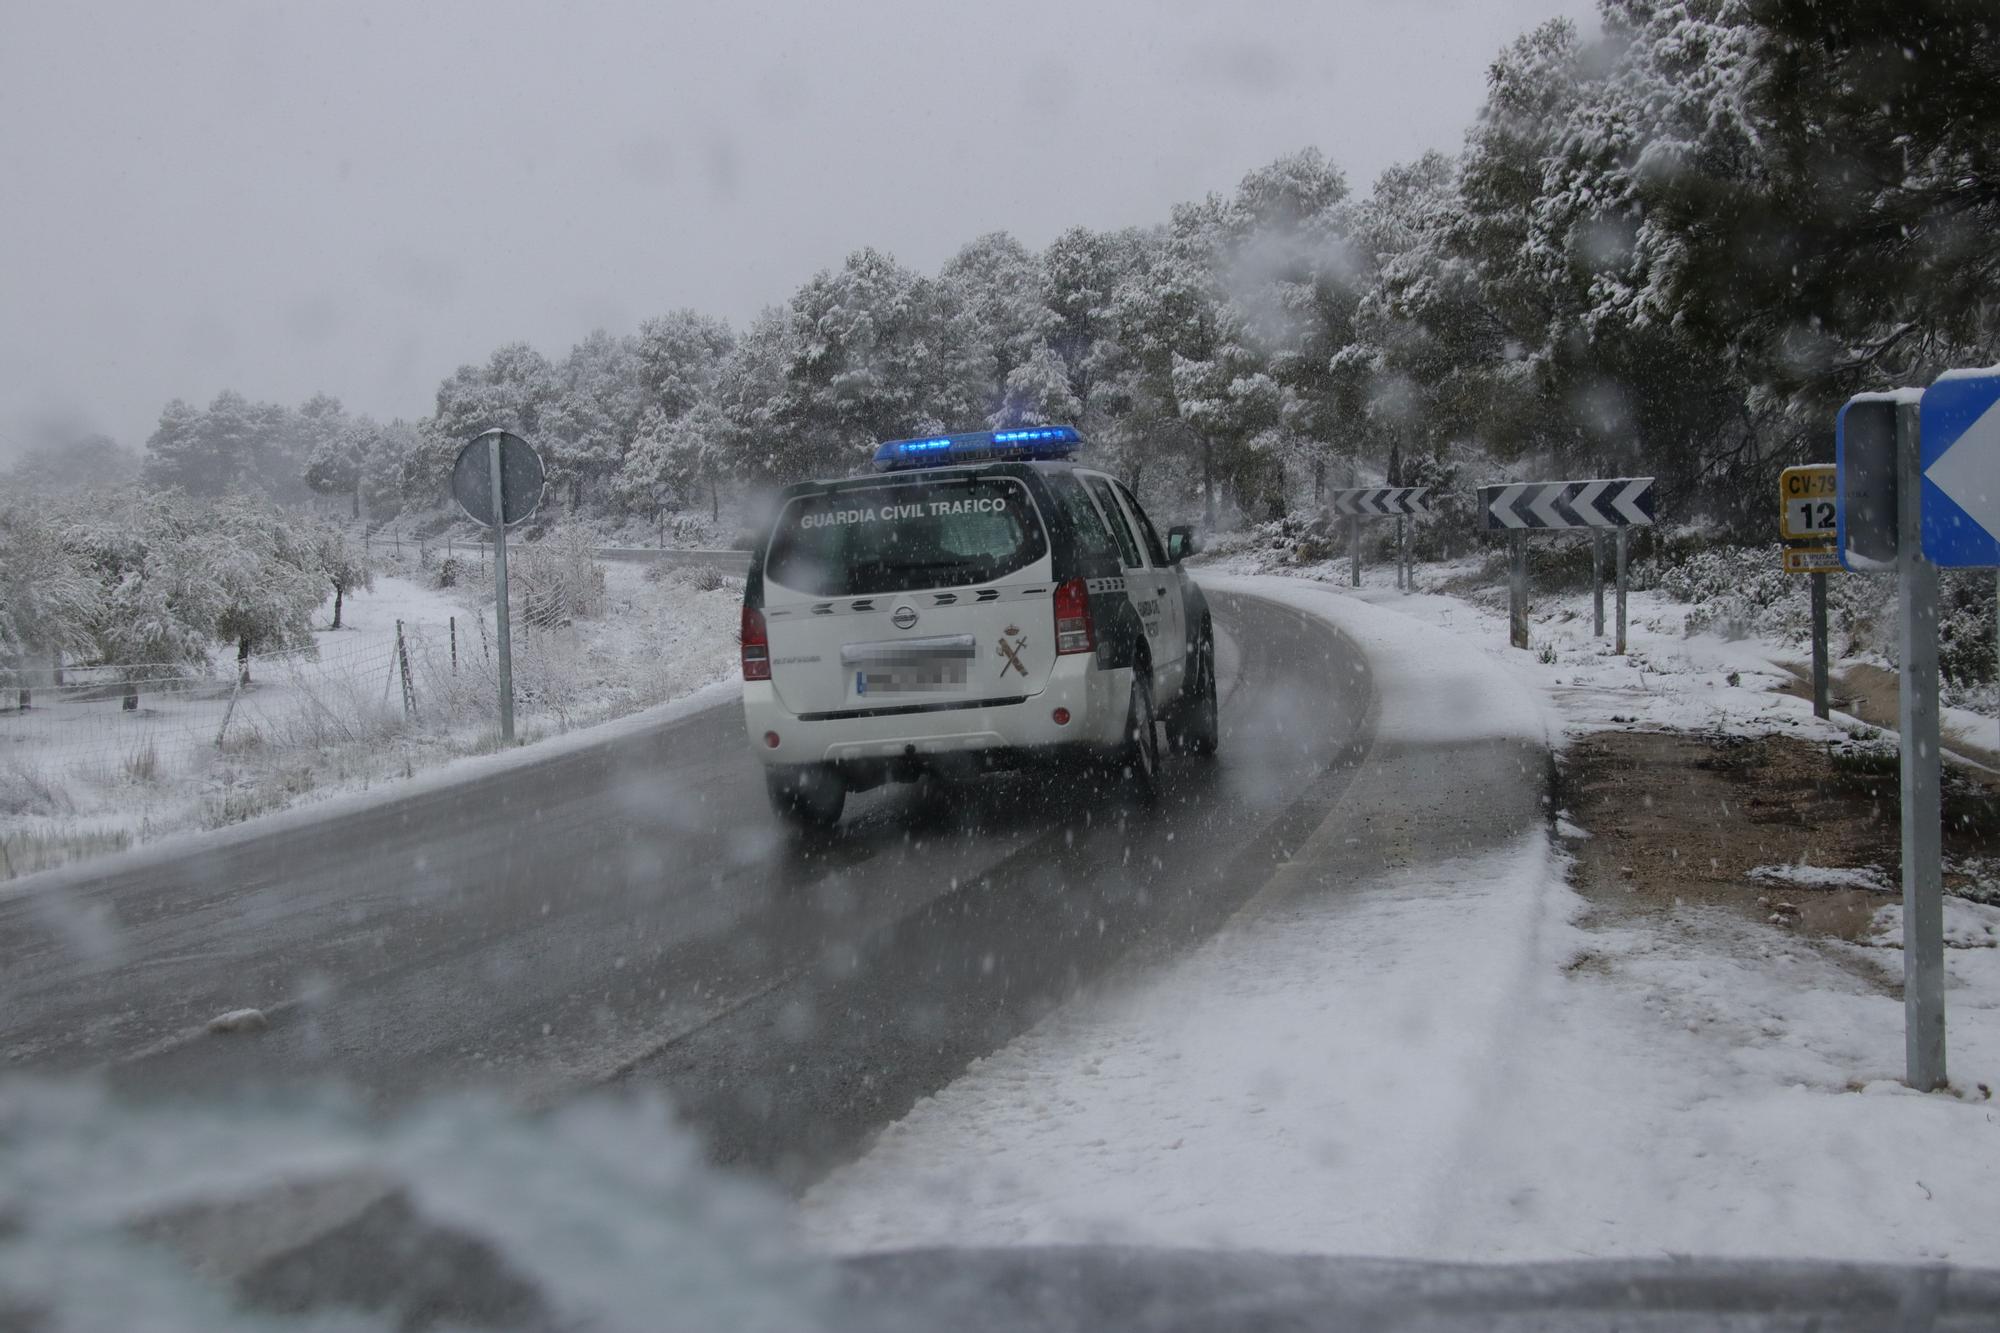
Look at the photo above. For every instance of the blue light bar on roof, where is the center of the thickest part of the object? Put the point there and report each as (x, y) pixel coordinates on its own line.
(979, 446)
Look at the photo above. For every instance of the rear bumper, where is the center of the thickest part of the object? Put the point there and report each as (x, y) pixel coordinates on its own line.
(1097, 699)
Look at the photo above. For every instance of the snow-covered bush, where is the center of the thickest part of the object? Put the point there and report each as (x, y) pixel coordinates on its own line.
(1739, 591)
(1966, 651)
(49, 596)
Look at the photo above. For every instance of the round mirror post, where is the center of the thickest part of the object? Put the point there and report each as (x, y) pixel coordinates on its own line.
(500, 597)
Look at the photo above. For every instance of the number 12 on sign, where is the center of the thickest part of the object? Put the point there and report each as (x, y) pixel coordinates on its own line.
(1807, 502)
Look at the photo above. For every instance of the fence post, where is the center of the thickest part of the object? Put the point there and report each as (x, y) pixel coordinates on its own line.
(1517, 592)
(227, 714)
(1623, 534)
(1597, 585)
(403, 663)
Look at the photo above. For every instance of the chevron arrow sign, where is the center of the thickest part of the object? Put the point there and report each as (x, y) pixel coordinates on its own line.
(1542, 506)
(1382, 501)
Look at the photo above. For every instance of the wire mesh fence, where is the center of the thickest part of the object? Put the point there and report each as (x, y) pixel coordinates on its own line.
(136, 720)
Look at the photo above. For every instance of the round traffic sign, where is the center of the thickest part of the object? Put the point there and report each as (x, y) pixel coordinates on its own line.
(521, 477)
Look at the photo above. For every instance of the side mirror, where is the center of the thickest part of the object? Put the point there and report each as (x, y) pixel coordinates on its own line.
(1181, 544)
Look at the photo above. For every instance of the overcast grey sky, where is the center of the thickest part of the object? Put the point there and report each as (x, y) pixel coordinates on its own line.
(283, 198)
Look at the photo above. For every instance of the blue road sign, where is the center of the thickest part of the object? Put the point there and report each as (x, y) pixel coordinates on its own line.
(1960, 459)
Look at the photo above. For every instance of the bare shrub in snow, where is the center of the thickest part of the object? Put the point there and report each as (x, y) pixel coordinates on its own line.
(26, 790)
(249, 795)
(143, 763)
(557, 580)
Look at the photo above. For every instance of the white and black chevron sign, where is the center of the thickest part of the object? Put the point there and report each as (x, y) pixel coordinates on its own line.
(1619, 502)
(1383, 501)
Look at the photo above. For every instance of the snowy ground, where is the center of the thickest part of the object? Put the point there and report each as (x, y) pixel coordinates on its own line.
(1668, 679)
(1442, 1062)
(82, 778)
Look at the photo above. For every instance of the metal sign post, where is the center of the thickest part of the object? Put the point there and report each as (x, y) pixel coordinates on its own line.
(1822, 702)
(1597, 585)
(502, 629)
(1517, 592)
(1622, 539)
(498, 480)
(1923, 813)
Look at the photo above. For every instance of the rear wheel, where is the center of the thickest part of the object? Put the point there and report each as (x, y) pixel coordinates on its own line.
(1140, 760)
(809, 798)
(1195, 727)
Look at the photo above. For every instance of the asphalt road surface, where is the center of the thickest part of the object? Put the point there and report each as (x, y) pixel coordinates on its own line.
(632, 915)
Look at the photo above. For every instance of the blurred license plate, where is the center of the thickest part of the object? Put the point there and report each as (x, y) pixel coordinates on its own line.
(929, 665)
(921, 675)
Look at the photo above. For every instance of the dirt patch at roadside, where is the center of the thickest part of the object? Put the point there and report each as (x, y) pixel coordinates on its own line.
(1870, 693)
(1678, 818)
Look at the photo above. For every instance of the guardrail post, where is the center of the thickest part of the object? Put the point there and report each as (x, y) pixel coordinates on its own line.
(1354, 549)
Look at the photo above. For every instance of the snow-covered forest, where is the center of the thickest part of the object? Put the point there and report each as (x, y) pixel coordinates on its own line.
(1669, 249)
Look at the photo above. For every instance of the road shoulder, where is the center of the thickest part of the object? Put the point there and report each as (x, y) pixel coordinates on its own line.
(1418, 1040)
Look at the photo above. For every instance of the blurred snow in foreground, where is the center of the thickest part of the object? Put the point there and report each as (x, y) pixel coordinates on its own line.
(602, 1214)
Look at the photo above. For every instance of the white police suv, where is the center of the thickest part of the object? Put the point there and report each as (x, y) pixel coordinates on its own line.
(978, 602)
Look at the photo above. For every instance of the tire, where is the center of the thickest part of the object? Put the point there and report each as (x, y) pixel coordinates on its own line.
(1139, 758)
(1195, 727)
(808, 799)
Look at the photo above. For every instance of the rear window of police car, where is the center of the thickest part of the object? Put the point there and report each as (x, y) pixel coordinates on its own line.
(894, 537)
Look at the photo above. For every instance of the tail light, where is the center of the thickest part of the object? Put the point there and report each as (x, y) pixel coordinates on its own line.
(756, 645)
(1074, 631)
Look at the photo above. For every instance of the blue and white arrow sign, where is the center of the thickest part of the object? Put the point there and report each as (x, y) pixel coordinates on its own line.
(1960, 459)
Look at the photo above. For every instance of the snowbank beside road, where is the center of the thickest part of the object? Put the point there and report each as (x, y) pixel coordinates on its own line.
(1429, 686)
